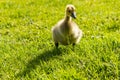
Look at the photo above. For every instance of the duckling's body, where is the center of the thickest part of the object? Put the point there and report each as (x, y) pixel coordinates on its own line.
(66, 31)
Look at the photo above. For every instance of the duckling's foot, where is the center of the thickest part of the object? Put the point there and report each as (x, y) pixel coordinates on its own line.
(56, 44)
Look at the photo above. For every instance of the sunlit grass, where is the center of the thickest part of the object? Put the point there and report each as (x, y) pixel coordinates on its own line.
(27, 51)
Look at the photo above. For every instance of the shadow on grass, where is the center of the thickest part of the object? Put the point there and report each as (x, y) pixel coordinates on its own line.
(45, 56)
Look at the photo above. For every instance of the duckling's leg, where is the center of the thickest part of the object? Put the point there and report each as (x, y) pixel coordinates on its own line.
(73, 44)
(56, 44)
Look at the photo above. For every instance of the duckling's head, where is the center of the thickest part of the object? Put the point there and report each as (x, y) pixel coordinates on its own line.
(70, 11)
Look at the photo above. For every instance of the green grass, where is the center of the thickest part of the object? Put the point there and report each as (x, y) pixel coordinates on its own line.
(27, 51)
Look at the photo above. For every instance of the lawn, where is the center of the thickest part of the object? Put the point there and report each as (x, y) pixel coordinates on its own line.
(27, 51)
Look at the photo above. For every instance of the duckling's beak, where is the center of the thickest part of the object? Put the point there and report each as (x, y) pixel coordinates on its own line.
(73, 15)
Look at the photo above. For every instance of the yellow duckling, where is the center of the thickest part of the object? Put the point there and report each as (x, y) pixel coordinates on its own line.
(67, 31)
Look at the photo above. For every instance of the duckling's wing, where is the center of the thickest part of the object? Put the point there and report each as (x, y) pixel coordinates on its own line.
(57, 34)
(76, 33)
(75, 29)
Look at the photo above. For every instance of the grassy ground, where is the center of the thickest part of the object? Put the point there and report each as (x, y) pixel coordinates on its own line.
(27, 51)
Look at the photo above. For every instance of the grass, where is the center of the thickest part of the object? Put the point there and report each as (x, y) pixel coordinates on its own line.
(27, 51)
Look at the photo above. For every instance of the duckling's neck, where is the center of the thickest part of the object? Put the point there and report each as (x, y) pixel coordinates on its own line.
(68, 18)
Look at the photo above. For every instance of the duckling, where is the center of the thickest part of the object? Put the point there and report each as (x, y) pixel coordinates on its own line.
(67, 31)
